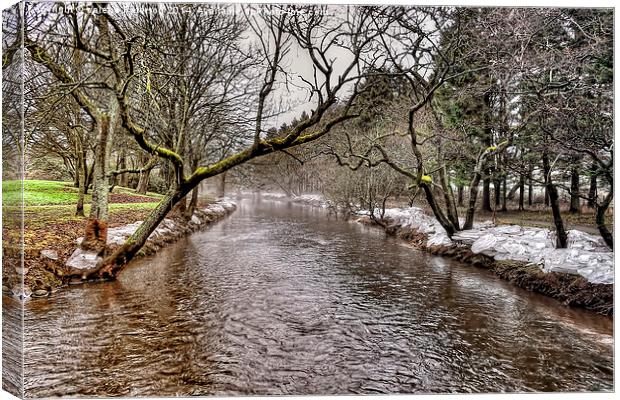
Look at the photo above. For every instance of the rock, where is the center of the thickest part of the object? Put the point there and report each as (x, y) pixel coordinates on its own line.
(5, 289)
(195, 220)
(51, 254)
(82, 260)
(21, 271)
(40, 293)
(23, 293)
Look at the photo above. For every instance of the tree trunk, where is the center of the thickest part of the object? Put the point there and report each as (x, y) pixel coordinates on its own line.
(513, 191)
(592, 192)
(574, 189)
(504, 195)
(89, 176)
(76, 175)
(97, 225)
(192, 203)
(471, 209)
(554, 200)
(221, 185)
(530, 190)
(473, 190)
(81, 172)
(460, 191)
(546, 200)
(497, 185)
(123, 178)
(486, 194)
(448, 194)
(521, 191)
(143, 182)
(439, 215)
(113, 264)
(488, 141)
(600, 220)
(143, 178)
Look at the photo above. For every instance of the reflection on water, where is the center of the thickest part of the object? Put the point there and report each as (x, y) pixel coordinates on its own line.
(277, 299)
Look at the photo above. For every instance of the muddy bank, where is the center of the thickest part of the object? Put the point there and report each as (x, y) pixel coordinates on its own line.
(44, 272)
(570, 289)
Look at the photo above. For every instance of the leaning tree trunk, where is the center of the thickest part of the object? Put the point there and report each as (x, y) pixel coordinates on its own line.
(554, 201)
(459, 191)
(513, 191)
(439, 215)
(113, 264)
(600, 220)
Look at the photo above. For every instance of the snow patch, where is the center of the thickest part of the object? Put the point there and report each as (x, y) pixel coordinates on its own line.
(586, 255)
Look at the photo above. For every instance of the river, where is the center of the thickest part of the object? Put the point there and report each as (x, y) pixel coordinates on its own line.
(282, 299)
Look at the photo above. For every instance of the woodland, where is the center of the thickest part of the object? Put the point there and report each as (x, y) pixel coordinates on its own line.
(467, 112)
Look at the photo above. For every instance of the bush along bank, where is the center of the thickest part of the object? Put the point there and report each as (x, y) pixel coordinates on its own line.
(49, 273)
(579, 276)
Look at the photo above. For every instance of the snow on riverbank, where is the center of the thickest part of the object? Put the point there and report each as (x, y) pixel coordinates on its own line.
(315, 200)
(85, 261)
(586, 255)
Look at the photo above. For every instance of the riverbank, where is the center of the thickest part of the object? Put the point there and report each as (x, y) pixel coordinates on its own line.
(52, 233)
(581, 275)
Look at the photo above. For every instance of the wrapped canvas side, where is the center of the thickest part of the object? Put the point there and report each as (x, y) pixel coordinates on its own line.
(13, 268)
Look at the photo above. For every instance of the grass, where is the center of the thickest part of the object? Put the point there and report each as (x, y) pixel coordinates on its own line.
(36, 192)
(46, 193)
(49, 213)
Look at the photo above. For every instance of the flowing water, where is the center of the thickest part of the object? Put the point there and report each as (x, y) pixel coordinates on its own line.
(281, 299)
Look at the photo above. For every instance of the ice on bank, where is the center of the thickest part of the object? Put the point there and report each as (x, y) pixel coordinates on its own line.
(586, 255)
